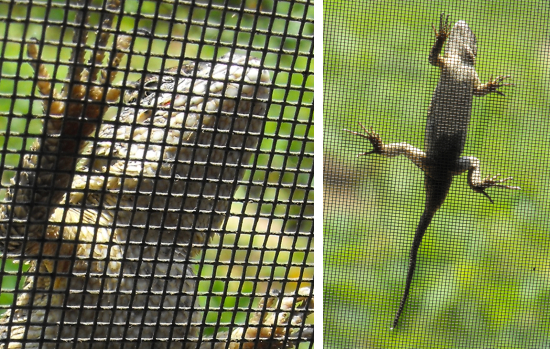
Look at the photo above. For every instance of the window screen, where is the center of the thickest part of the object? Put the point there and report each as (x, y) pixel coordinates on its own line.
(157, 174)
(481, 275)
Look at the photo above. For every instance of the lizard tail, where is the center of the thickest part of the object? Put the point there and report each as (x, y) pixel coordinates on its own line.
(420, 230)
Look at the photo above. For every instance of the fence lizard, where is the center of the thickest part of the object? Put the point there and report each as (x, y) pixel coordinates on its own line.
(446, 129)
(109, 220)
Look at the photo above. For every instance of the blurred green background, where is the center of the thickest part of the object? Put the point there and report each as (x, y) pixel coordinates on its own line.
(281, 34)
(483, 273)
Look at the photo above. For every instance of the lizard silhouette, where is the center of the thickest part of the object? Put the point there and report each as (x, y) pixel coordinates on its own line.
(446, 130)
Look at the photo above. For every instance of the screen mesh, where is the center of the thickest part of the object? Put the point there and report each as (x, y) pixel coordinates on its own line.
(481, 277)
(157, 178)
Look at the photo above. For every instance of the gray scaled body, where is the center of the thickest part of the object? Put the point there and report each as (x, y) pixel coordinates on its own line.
(446, 130)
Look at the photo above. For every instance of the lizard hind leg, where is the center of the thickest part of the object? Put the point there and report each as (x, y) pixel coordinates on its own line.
(416, 155)
(373, 137)
(478, 184)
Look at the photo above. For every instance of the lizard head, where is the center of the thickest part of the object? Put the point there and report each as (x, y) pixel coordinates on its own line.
(462, 43)
(200, 88)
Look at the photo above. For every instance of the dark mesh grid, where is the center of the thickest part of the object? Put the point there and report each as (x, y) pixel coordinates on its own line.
(191, 209)
(481, 278)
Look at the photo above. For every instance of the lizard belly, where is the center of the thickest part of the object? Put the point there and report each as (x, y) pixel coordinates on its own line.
(448, 118)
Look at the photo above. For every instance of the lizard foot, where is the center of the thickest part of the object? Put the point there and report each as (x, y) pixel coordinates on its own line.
(444, 28)
(493, 85)
(491, 181)
(374, 139)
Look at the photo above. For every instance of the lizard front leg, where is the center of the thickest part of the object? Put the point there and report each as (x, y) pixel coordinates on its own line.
(440, 38)
(491, 86)
(416, 155)
(472, 165)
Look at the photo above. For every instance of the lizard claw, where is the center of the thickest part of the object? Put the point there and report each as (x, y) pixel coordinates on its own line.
(373, 137)
(491, 181)
(495, 84)
(444, 28)
(486, 195)
(501, 78)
